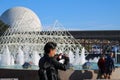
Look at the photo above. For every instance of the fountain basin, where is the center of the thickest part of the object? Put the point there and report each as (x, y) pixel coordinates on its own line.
(34, 67)
(19, 67)
(28, 74)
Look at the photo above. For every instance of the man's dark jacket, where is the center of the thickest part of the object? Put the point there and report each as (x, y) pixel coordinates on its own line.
(49, 68)
(110, 63)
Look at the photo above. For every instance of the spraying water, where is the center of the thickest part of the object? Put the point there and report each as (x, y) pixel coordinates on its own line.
(26, 57)
(35, 58)
(82, 57)
(6, 57)
(20, 57)
(26, 50)
(95, 60)
(71, 56)
(78, 60)
(77, 57)
(0, 58)
(12, 60)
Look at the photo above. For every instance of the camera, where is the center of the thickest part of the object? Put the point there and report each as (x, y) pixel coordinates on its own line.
(60, 56)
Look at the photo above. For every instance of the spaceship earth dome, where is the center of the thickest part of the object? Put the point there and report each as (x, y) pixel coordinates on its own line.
(21, 19)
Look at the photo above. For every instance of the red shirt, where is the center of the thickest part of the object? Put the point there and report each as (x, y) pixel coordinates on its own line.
(101, 63)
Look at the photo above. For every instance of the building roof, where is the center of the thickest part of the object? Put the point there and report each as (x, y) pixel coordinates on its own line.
(100, 34)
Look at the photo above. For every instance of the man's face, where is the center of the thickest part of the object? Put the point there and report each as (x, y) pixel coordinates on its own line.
(52, 52)
(103, 58)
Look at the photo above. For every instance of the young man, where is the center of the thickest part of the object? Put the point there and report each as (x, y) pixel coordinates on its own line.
(101, 65)
(49, 65)
(109, 65)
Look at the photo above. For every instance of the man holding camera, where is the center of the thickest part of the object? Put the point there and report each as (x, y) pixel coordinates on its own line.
(49, 63)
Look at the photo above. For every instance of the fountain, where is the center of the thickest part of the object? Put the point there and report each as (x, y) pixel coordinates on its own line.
(12, 60)
(25, 39)
(35, 58)
(82, 57)
(20, 57)
(26, 50)
(71, 56)
(94, 60)
(77, 58)
(26, 57)
(0, 58)
(6, 57)
(90, 60)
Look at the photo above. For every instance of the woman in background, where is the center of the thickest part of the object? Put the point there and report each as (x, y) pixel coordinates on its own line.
(102, 67)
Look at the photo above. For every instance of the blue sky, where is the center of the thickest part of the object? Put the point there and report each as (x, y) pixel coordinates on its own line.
(73, 14)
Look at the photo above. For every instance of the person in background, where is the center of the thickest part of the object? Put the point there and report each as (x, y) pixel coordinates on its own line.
(48, 64)
(109, 65)
(101, 66)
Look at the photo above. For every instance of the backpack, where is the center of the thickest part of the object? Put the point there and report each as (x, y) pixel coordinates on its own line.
(42, 74)
(47, 73)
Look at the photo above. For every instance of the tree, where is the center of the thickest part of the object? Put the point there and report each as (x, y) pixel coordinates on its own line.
(3, 27)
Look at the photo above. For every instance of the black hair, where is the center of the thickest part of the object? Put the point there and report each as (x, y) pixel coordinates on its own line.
(102, 55)
(48, 46)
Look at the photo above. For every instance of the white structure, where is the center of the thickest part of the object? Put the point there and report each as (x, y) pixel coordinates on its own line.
(21, 19)
(25, 36)
(25, 32)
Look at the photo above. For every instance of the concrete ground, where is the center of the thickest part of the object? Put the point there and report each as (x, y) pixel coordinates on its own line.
(14, 74)
(86, 74)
